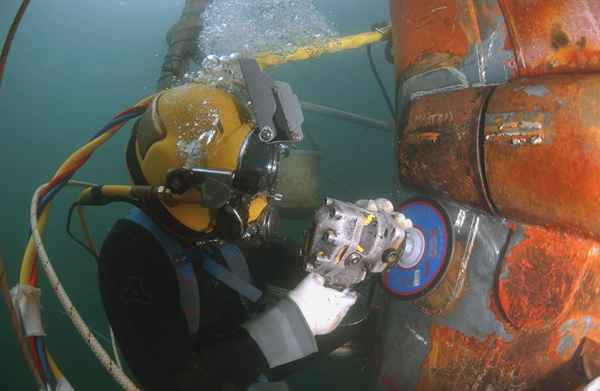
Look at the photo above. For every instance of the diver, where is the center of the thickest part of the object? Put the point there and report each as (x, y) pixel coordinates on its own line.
(182, 285)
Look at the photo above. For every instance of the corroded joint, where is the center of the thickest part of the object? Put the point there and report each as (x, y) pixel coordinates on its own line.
(518, 150)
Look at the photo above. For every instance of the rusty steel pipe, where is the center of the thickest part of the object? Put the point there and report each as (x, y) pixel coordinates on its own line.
(528, 150)
(438, 149)
(542, 151)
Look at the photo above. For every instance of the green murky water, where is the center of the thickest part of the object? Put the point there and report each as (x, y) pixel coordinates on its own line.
(77, 62)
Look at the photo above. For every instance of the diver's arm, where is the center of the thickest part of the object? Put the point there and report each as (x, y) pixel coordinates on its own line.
(140, 294)
(286, 332)
(279, 263)
(139, 290)
(327, 344)
(230, 364)
(282, 335)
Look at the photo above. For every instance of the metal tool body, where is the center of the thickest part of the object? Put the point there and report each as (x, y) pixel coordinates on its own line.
(347, 242)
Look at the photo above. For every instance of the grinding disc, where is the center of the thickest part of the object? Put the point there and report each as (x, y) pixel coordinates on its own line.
(431, 221)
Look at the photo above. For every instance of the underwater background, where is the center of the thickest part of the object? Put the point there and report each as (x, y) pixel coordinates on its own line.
(73, 65)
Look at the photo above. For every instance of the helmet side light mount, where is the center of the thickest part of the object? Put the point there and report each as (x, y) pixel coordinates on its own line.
(279, 115)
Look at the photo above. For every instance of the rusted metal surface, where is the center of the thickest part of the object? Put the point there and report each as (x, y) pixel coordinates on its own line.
(469, 35)
(536, 162)
(528, 313)
(496, 38)
(457, 362)
(543, 294)
(540, 256)
(445, 45)
(439, 149)
(554, 36)
(406, 336)
(542, 148)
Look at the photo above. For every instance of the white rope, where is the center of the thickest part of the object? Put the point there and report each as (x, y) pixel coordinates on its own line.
(117, 374)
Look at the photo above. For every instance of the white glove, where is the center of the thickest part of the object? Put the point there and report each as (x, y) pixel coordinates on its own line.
(322, 307)
(386, 206)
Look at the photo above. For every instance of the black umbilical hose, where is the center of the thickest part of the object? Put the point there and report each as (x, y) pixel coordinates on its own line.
(75, 238)
(384, 91)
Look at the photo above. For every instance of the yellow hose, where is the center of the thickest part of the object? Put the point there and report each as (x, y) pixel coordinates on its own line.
(93, 145)
(86, 230)
(58, 375)
(76, 157)
(30, 253)
(116, 190)
(270, 59)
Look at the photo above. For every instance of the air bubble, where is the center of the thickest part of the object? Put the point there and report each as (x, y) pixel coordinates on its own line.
(233, 29)
(251, 27)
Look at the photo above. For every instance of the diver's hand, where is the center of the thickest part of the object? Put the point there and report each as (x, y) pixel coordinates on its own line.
(322, 307)
(385, 205)
(400, 221)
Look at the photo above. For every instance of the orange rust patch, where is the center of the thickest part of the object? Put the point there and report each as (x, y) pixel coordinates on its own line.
(571, 58)
(544, 31)
(451, 164)
(458, 362)
(556, 260)
(427, 136)
(451, 27)
(551, 182)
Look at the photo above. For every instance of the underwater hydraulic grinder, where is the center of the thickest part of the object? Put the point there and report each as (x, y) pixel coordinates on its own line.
(347, 242)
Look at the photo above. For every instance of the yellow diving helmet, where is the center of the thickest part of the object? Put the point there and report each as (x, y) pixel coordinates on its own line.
(199, 142)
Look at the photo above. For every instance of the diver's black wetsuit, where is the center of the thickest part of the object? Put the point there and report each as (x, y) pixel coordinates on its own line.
(141, 297)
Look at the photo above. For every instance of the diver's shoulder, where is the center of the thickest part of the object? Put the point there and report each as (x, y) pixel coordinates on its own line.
(128, 239)
(125, 229)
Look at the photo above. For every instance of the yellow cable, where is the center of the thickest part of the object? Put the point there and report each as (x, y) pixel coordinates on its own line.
(29, 256)
(94, 144)
(58, 375)
(116, 190)
(86, 230)
(30, 253)
(270, 59)
(83, 152)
